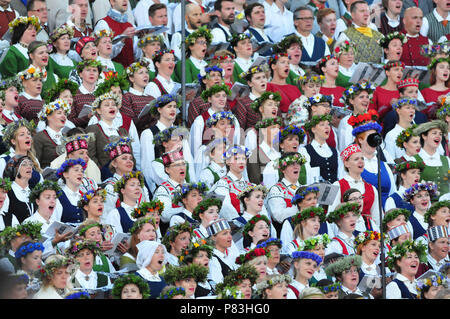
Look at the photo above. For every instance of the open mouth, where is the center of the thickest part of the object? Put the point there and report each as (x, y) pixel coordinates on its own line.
(51, 208)
(80, 179)
(352, 225)
(295, 172)
(241, 166)
(437, 141)
(100, 210)
(285, 296)
(274, 112)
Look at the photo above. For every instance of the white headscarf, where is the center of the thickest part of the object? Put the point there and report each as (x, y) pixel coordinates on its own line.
(146, 250)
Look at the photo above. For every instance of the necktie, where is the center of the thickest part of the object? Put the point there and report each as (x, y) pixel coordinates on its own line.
(444, 22)
(416, 2)
(329, 41)
(366, 31)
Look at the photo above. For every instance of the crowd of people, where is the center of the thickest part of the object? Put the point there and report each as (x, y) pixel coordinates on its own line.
(282, 168)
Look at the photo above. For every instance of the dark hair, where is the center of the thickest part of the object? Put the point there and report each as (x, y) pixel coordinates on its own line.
(154, 7)
(248, 9)
(18, 32)
(218, 4)
(30, 4)
(75, 131)
(348, 192)
(354, 4)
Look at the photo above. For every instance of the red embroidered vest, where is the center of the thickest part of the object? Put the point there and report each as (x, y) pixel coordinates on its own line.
(411, 51)
(369, 196)
(126, 56)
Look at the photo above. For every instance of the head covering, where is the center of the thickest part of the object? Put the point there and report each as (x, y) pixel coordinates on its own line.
(70, 163)
(316, 119)
(408, 82)
(429, 279)
(118, 147)
(120, 184)
(407, 165)
(355, 89)
(252, 254)
(107, 96)
(82, 43)
(267, 95)
(204, 73)
(134, 279)
(306, 255)
(366, 236)
(204, 205)
(41, 187)
(5, 184)
(271, 280)
(31, 229)
(311, 77)
(174, 231)
(307, 213)
(216, 88)
(32, 73)
(400, 250)
(251, 188)
(11, 129)
(425, 127)
(89, 63)
(7, 83)
(201, 32)
(349, 151)
(342, 210)
(172, 157)
(393, 64)
(186, 188)
(247, 76)
(364, 122)
(437, 232)
(25, 20)
(60, 31)
(173, 274)
(136, 66)
(405, 136)
(24, 250)
(343, 264)
(171, 291)
(75, 142)
(13, 165)
(398, 231)
(392, 214)
(344, 46)
(430, 187)
(434, 209)
(217, 226)
(235, 150)
(78, 245)
(236, 37)
(91, 193)
(103, 33)
(302, 192)
(148, 207)
(250, 225)
(290, 130)
(63, 84)
(146, 250)
(289, 159)
(216, 117)
(312, 242)
(112, 79)
(404, 101)
(187, 255)
(286, 43)
(51, 107)
(162, 101)
(149, 38)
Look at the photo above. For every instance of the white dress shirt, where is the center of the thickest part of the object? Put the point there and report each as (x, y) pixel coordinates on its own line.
(392, 290)
(113, 218)
(208, 178)
(426, 25)
(281, 23)
(218, 36)
(215, 268)
(153, 90)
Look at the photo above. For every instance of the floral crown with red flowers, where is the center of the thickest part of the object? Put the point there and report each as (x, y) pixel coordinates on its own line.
(275, 57)
(257, 252)
(393, 64)
(252, 222)
(364, 122)
(344, 46)
(325, 59)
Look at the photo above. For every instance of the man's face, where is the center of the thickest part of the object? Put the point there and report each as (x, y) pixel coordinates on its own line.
(304, 21)
(443, 5)
(258, 17)
(80, 9)
(119, 5)
(194, 18)
(160, 17)
(226, 14)
(361, 15)
(39, 10)
(413, 20)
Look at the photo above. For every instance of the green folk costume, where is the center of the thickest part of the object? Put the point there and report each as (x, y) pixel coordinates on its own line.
(292, 78)
(343, 80)
(13, 63)
(368, 49)
(437, 174)
(62, 71)
(104, 267)
(237, 70)
(191, 72)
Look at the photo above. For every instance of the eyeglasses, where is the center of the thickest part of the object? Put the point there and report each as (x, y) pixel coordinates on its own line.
(202, 42)
(306, 18)
(351, 271)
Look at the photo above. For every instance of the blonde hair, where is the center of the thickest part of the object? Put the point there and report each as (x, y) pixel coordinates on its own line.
(31, 152)
(310, 292)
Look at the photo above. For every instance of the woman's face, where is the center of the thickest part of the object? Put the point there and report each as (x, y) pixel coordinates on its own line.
(189, 285)
(181, 242)
(223, 128)
(62, 44)
(278, 291)
(33, 86)
(260, 231)
(291, 172)
(19, 291)
(407, 112)
(201, 259)
(198, 49)
(108, 110)
(74, 175)
(192, 199)
(295, 53)
(26, 169)
(209, 215)
(94, 233)
(123, 163)
(89, 51)
(3, 195)
(439, 248)
(157, 261)
(47, 202)
(131, 291)
(67, 96)
(350, 277)
(32, 262)
(411, 91)
(442, 217)
(320, 109)
(168, 111)
(167, 64)
(151, 48)
(40, 57)
(331, 68)
(311, 88)
(89, 75)
(347, 58)
(305, 268)
(86, 260)
(421, 201)
(322, 130)
(348, 222)
(355, 163)
(269, 109)
(311, 226)
(246, 288)
(177, 171)
(57, 119)
(244, 49)
(433, 139)
(132, 189)
(223, 239)
(310, 200)
(29, 35)
(395, 73)
(442, 71)
(213, 78)
(360, 102)
(399, 220)
(290, 143)
(140, 78)
(394, 50)
(332, 295)
(371, 249)
(413, 146)
(11, 97)
(281, 67)
(432, 292)
(237, 163)
(218, 100)
(104, 47)
(319, 250)
(409, 264)
(255, 201)
(356, 197)
(60, 277)
(274, 258)
(95, 207)
(410, 177)
(260, 264)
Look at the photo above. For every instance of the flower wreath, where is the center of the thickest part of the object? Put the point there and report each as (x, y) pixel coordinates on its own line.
(393, 64)
(400, 250)
(78, 295)
(236, 37)
(28, 249)
(216, 117)
(301, 193)
(364, 122)
(285, 161)
(406, 165)
(149, 39)
(435, 61)
(275, 57)
(384, 41)
(11, 128)
(48, 109)
(342, 264)
(103, 33)
(25, 20)
(187, 255)
(84, 229)
(251, 188)
(202, 32)
(312, 242)
(86, 197)
(221, 58)
(269, 282)
(186, 188)
(112, 79)
(330, 288)
(78, 245)
(430, 187)
(204, 73)
(32, 73)
(31, 229)
(244, 272)
(444, 111)
(120, 184)
(137, 225)
(174, 231)
(405, 136)
(89, 63)
(107, 96)
(48, 269)
(7, 83)
(325, 59)
(393, 214)
(404, 101)
(136, 66)
(355, 89)
(227, 292)
(62, 85)
(253, 70)
(162, 101)
(366, 236)
(124, 280)
(148, 207)
(290, 130)
(434, 208)
(235, 150)
(60, 31)
(216, 88)
(173, 274)
(70, 163)
(343, 210)
(204, 205)
(267, 95)
(437, 279)
(306, 255)
(309, 212)
(167, 134)
(5, 184)
(310, 78)
(250, 225)
(344, 46)
(269, 242)
(172, 292)
(160, 53)
(254, 253)
(318, 98)
(316, 119)
(286, 43)
(41, 187)
(264, 123)
(431, 50)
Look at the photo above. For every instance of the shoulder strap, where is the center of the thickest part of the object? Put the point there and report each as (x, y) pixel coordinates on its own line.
(344, 248)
